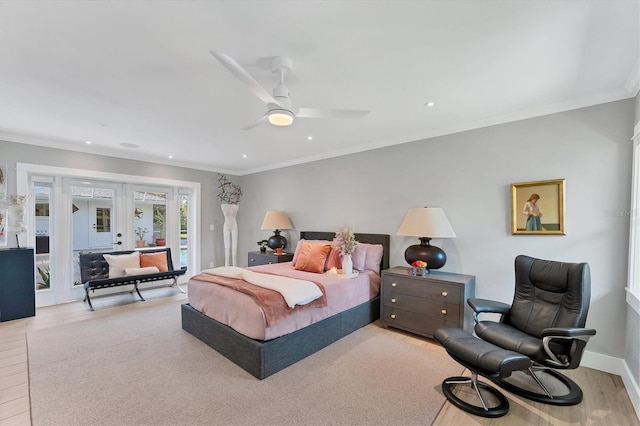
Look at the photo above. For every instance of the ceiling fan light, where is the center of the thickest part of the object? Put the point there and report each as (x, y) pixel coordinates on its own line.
(280, 117)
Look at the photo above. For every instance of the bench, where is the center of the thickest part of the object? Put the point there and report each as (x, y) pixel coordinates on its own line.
(94, 273)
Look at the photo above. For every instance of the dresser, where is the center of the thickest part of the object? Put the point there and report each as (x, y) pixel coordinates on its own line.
(17, 284)
(266, 258)
(423, 304)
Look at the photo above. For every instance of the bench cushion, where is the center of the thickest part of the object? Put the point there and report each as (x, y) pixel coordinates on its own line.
(159, 260)
(141, 271)
(119, 262)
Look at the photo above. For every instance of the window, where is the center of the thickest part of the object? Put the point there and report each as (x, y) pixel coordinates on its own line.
(633, 289)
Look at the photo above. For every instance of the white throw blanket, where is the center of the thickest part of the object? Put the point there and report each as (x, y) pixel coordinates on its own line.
(294, 291)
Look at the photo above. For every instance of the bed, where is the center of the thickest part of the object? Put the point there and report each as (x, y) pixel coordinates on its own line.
(264, 357)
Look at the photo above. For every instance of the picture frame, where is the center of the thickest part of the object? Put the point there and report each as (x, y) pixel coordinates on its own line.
(537, 208)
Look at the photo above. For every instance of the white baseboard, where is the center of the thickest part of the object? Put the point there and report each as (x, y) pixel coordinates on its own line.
(616, 366)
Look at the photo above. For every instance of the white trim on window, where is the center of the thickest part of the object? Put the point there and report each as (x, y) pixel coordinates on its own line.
(633, 286)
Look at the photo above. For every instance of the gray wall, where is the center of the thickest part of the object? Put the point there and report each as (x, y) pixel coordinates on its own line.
(469, 175)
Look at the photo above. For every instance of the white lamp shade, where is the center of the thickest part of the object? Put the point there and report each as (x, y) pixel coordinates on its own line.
(276, 219)
(428, 222)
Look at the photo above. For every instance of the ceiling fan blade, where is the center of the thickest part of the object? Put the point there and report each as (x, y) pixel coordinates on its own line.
(244, 76)
(256, 123)
(330, 113)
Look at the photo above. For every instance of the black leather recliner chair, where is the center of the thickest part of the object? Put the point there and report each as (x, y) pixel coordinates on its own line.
(545, 322)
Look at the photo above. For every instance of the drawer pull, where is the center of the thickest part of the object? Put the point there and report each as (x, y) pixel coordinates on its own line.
(393, 316)
(445, 294)
(394, 285)
(252, 260)
(443, 312)
(393, 300)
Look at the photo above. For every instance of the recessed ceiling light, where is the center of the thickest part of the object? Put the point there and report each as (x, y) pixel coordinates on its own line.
(309, 138)
(170, 156)
(129, 145)
(429, 104)
(244, 155)
(88, 142)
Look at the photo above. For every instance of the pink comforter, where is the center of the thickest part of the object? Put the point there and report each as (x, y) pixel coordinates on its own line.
(241, 311)
(272, 303)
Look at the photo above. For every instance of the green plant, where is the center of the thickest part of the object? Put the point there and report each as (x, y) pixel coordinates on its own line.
(141, 232)
(45, 274)
(159, 220)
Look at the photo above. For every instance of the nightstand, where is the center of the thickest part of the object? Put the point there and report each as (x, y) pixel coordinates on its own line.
(259, 258)
(423, 304)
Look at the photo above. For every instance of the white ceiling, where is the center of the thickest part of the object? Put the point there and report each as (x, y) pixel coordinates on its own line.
(140, 72)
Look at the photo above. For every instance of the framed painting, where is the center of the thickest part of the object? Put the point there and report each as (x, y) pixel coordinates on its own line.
(537, 208)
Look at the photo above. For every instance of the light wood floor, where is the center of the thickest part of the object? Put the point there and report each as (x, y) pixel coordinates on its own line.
(605, 403)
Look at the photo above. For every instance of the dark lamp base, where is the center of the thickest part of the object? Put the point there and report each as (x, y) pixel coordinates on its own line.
(434, 256)
(277, 241)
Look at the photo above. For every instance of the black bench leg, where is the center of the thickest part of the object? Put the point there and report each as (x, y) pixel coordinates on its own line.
(135, 286)
(88, 299)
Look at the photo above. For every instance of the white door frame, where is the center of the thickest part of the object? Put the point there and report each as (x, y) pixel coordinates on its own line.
(62, 220)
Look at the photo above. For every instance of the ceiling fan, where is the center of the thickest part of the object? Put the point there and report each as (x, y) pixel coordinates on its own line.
(280, 109)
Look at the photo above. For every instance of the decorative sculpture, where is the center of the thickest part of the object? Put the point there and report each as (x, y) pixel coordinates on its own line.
(230, 195)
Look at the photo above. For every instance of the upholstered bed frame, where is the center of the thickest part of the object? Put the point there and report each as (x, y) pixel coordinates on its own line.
(264, 358)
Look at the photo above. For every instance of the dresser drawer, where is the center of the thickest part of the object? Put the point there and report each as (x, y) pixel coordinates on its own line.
(429, 307)
(414, 322)
(422, 287)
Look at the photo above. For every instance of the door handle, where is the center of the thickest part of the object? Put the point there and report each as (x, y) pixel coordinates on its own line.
(118, 243)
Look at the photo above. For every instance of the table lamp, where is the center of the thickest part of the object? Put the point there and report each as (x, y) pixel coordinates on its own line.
(426, 223)
(276, 220)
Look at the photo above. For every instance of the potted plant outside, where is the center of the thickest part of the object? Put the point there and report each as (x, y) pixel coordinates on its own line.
(140, 233)
(159, 225)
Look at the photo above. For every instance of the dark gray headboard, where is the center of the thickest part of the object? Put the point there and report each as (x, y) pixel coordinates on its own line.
(383, 239)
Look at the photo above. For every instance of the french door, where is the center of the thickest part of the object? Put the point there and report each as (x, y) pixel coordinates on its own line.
(76, 214)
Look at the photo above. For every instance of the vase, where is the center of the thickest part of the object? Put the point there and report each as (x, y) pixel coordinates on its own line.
(140, 243)
(347, 264)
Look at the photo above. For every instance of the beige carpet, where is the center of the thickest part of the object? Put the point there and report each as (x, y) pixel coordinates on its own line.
(140, 367)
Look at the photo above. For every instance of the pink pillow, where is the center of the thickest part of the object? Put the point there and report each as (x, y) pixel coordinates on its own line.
(374, 257)
(311, 257)
(333, 259)
(367, 257)
(359, 256)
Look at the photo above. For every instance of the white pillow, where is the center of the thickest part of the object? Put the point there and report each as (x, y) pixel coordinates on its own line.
(118, 263)
(226, 271)
(141, 271)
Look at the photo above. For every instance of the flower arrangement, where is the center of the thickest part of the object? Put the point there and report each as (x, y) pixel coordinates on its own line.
(141, 232)
(419, 268)
(345, 240)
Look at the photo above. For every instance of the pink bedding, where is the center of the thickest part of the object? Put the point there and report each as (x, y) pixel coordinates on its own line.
(272, 303)
(241, 311)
